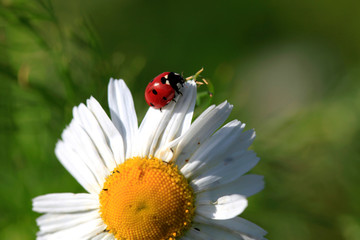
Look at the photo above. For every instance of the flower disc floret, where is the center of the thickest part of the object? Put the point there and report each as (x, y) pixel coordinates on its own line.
(146, 198)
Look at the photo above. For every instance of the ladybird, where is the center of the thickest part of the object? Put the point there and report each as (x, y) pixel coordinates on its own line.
(161, 90)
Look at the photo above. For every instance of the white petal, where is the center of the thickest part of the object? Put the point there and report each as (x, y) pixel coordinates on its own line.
(189, 100)
(237, 225)
(245, 185)
(84, 231)
(180, 120)
(151, 129)
(201, 129)
(225, 207)
(50, 223)
(216, 233)
(196, 235)
(182, 113)
(217, 147)
(88, 122)
(77, 168)
(109, 236)
(65, 203)
(185, 238)
(123, 113)
(104, 236)
(112, 135)
(82, 148)
(227, 171)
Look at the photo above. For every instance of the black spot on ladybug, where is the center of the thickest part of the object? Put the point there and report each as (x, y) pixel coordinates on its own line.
(105, 189)
(151, 104)
(197, 229)
(164, 98)
(154, 92)
(163, 80)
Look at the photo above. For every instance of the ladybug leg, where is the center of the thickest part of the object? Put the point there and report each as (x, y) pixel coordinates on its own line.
(173, 100)
(177, 90)
(160, 110)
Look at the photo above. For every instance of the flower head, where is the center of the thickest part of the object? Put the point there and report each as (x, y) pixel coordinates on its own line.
(168, 179)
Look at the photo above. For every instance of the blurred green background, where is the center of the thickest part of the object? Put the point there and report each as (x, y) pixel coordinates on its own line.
(291, 69)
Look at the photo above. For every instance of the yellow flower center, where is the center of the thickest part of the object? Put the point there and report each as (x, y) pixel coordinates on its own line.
(146, 198)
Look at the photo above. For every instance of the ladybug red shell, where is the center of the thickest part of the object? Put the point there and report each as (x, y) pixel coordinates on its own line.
(161, 90)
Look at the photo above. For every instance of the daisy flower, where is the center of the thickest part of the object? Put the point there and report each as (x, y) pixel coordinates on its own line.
(169, 179)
